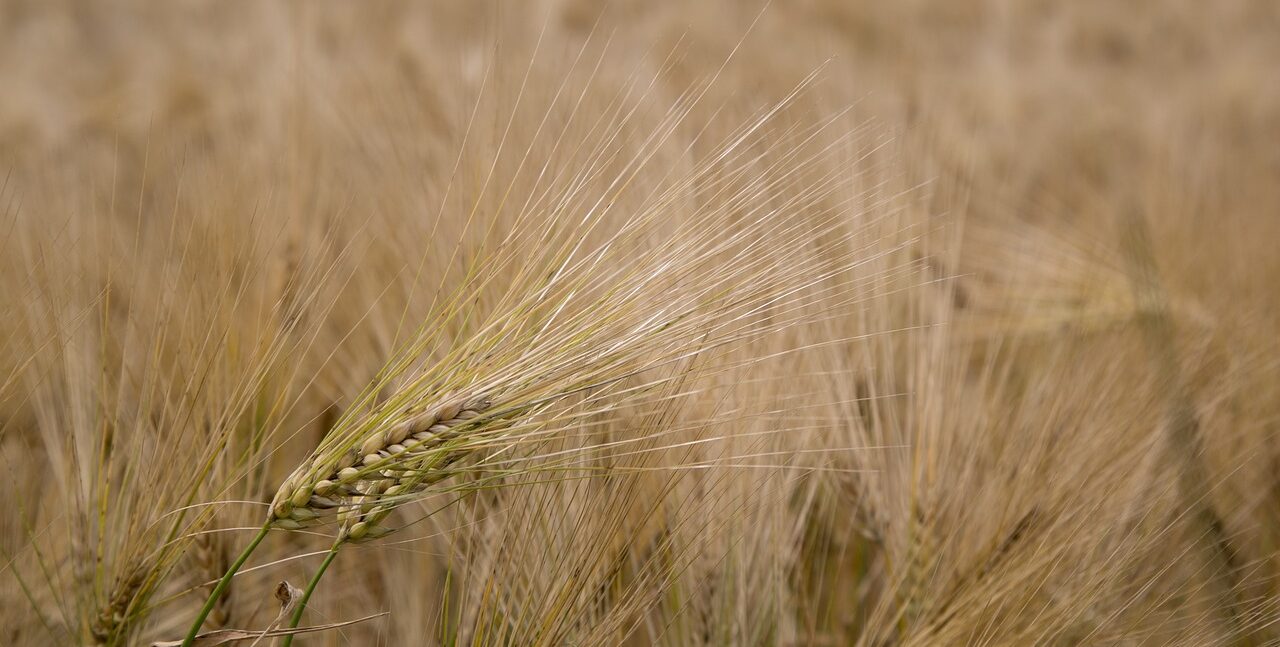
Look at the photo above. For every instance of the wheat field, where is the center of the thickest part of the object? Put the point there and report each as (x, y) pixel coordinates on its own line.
(802, 322)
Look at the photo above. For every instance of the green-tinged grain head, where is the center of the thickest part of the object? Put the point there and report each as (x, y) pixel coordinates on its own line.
(362, 483)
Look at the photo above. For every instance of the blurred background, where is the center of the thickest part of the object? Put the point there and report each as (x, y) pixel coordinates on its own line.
(1031, 110)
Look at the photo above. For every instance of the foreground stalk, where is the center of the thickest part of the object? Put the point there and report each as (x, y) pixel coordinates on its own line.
(306, 595)
(222, 586)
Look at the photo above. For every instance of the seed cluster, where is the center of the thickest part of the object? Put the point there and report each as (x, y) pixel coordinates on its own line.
(111, 617)
(366, 481)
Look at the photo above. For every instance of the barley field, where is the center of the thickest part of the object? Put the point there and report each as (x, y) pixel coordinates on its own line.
(560, 322)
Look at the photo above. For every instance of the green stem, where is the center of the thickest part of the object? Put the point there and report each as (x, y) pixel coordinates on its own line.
(222, 586)
(306, 595)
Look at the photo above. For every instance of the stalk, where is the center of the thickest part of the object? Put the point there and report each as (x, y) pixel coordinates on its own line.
(1183, 435)
(222, 586)
(306, 595)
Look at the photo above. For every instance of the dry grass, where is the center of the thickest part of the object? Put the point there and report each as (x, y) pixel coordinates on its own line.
(820, 323)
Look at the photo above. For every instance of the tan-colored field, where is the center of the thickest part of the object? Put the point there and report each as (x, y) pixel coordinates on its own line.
(926, 322)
